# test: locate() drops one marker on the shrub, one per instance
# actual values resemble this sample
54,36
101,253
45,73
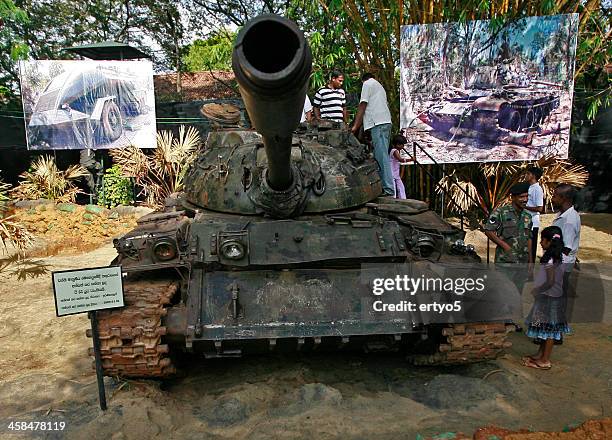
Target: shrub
116,188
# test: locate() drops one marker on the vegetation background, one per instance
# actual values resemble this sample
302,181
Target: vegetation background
350,35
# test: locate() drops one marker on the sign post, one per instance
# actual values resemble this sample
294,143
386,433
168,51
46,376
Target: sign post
89,290
96,345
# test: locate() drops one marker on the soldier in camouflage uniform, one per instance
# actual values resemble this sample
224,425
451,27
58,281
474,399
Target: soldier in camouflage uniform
509,227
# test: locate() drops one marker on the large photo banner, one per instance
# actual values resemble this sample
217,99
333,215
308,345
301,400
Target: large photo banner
88,104
482,91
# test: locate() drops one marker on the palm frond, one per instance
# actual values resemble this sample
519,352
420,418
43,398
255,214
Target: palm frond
132,160
14,234
461,194
490,183
23,268
47,181
160,173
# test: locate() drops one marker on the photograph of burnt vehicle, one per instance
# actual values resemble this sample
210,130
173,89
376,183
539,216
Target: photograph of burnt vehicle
478,91
85,104
512,113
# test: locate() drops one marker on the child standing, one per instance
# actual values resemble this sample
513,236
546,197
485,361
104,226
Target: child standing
546,320
397,144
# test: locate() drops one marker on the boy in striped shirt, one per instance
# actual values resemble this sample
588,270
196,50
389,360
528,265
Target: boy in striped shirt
330,101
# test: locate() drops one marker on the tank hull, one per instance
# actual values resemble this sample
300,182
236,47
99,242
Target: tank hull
300,285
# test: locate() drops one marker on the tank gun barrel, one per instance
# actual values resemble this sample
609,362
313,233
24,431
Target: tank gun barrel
272,63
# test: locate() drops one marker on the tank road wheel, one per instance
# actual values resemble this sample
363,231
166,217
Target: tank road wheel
539,117
511,120
111,121
131,337
468,343
530,118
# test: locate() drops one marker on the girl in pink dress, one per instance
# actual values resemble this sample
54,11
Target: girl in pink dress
397,143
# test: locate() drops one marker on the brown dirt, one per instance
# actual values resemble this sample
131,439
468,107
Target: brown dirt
46,375
68,232
589,430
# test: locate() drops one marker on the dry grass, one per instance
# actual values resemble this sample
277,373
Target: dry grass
488,185
161,173
47,181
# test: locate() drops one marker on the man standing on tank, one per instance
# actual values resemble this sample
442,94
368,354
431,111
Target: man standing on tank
374,114
330,101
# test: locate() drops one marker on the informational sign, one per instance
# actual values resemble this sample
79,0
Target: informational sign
489,91
82,104
85,290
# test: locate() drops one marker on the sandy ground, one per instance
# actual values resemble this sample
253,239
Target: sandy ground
45,375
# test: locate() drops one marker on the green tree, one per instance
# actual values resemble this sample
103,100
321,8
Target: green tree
213,53
41,30
12,48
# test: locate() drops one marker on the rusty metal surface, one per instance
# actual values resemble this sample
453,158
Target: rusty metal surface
468,343
131,337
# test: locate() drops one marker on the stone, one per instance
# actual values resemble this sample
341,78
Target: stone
136,211
88,216
228,411
96,210
66,207
42,203
310,396
113,215
318,392
454,391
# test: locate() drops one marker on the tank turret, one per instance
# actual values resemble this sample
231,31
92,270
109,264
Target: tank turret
272,169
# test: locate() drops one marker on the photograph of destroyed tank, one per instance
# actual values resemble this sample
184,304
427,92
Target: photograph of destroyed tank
482,90
88,104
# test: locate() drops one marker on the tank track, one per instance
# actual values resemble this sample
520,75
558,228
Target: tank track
468,343
131,337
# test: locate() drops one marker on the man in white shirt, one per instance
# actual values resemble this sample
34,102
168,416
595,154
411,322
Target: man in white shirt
374,114
535,205
568,220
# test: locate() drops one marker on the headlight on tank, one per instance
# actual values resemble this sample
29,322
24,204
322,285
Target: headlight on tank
233,250
164,250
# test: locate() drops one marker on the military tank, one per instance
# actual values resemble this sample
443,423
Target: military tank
264,250
511,113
